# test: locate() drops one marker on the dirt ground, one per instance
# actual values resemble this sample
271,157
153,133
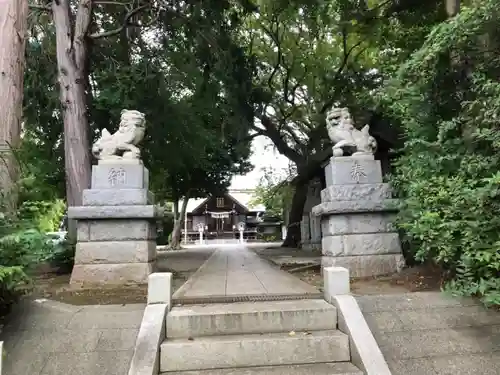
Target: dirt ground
183,263
50,285
305,264
415,279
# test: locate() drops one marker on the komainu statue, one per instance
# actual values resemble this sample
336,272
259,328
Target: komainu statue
123,143
346,139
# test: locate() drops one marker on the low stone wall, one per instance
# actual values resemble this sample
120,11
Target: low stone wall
146,358
365,352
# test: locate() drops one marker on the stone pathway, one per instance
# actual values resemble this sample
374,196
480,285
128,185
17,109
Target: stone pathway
52,338
235,271
428,333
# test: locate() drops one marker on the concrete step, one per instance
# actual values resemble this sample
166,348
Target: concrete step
269,349
339,368
250,317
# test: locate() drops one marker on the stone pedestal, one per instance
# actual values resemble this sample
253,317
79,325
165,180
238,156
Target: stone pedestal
116,237
357,211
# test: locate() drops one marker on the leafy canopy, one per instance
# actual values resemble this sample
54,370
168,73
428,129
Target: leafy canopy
446,97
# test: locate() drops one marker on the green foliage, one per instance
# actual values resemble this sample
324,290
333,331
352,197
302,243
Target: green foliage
446,97
183,71
12,279
202,114
41,151
165,227
23,246
270,237
274,194
61,255
43,215
20,249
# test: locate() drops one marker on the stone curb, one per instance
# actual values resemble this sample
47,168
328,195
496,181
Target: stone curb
146,358
365,352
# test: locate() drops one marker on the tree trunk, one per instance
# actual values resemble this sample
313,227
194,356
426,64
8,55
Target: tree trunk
452,7
175,243
296,212
71,64
13,29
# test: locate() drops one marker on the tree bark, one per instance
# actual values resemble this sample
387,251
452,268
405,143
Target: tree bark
175,243
293,235
452,7
13,30
71,47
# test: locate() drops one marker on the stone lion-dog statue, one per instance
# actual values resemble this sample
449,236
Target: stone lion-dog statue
346,139
123,143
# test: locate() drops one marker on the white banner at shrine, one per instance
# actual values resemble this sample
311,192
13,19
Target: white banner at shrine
219,215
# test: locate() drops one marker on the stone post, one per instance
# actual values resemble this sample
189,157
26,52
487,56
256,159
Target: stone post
357,212
241,228
305,230
335,282
201,228
160,288
116,236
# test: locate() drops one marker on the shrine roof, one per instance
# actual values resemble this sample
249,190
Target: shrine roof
242,196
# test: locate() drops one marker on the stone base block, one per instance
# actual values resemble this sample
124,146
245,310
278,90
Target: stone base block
361,206
116,230
376,222
112,197
363,192
351,170
88,275
361,244
311,246
111,252
115,212
119,176
366,265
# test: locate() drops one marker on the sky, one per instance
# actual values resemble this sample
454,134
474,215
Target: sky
264,155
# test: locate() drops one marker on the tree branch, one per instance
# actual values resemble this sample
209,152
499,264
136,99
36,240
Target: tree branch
42,8
273,133
125,23
345,60
294,136
248,138
110,2
275,38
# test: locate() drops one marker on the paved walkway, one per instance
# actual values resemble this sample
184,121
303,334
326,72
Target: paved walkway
52,338
236,271
428,333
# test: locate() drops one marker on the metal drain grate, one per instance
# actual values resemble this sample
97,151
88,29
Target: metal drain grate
244,298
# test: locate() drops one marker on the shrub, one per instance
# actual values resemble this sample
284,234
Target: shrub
446,99
43,215
62,256
20,250
23,246
270,237
11,281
